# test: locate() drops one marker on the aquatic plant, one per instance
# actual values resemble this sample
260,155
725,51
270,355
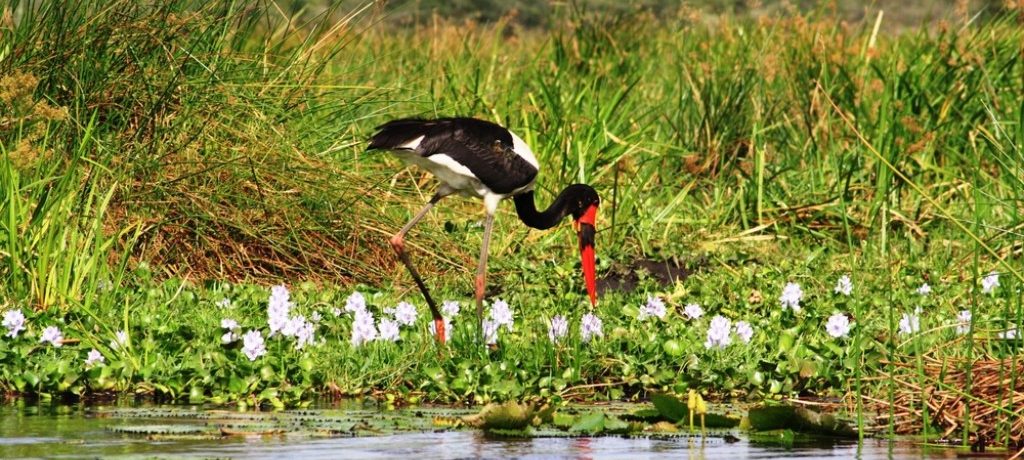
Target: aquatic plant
791,296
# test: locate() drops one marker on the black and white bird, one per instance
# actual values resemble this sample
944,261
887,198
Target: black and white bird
480,159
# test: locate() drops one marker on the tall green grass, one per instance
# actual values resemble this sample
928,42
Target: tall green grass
238,127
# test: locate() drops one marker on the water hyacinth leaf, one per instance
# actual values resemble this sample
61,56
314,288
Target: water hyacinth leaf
786,341
756,378
672,348
237,385
807,368
592,423
436,374
31,379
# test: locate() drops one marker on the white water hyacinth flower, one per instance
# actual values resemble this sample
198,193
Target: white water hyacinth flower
491,331
910,323
94,358
120,340
53,335
590,327
791,296
363,328
405,313
844,286
989,283
224,303
229,336
278,308
719,332
355,302
304,336
654,307
301,329
14,321
388,330
252,345
925,289
744,331
1008,334
838,325
292,325
963,322
558,328
693,311
447,328
501,314
450,309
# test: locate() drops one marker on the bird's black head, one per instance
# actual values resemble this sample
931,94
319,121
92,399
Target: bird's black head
581,198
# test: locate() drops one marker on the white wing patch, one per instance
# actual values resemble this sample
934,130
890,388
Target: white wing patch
411,145
520,148
455,174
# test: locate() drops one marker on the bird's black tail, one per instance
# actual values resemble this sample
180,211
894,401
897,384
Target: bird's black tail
396,133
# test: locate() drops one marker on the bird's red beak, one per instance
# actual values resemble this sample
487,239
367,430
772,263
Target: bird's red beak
587,231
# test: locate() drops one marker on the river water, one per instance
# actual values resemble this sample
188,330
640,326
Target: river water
78,431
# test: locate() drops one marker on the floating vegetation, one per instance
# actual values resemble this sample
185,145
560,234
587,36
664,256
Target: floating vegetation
161,429
313,423
509,416
798,419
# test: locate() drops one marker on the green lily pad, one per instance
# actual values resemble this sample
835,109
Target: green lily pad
161,429
506,416
674,410
670,407
799,419
592,423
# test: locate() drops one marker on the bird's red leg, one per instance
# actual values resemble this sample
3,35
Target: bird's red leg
481,271
398,244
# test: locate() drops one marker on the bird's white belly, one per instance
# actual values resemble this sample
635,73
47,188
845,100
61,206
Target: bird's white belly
448,171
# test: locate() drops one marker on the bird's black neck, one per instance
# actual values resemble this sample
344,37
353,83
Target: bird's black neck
542,220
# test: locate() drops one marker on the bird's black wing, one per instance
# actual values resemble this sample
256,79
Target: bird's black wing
484,148
393,134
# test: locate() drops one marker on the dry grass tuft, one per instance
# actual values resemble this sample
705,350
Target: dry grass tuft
995,400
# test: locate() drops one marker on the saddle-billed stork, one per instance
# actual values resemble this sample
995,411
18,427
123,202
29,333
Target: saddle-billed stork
479,158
